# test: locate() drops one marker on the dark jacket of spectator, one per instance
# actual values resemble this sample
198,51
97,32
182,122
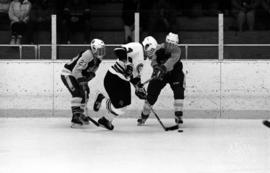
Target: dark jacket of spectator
76,17
4,6
76,8
165,16
42,10
128,10
266,5
4,19
245,5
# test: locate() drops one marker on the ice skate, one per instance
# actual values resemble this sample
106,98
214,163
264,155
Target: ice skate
179,120
105,123
178,117
141,121
98,100
78,120
84,119
75,121
266,123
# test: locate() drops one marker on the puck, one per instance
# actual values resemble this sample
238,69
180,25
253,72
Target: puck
180,131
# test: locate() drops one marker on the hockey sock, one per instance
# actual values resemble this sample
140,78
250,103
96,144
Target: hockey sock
146,109
178,105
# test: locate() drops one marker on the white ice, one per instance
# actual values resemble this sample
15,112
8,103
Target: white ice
49,145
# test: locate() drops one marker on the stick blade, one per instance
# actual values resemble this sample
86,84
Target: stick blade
93,121
266,123
175,127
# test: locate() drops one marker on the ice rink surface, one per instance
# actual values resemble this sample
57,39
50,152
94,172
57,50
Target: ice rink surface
49,145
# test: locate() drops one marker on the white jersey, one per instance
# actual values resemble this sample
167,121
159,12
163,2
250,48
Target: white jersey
135,57
135,52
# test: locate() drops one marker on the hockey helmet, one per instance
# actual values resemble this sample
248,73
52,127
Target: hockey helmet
98,48
171,41
172,38
149,45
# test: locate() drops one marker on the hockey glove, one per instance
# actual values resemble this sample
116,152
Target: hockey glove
140,91
90,76
129,70
83,82
159,72
87,76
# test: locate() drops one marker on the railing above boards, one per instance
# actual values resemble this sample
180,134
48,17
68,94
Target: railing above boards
37,48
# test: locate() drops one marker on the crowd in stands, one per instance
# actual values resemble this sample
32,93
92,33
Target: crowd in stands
24,17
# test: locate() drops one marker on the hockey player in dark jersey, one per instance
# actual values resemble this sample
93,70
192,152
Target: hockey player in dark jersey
77,73
167,69
126,70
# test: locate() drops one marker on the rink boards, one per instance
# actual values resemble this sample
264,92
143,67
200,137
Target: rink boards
214,89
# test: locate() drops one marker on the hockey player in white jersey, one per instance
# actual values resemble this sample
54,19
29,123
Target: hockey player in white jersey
127,69
77,73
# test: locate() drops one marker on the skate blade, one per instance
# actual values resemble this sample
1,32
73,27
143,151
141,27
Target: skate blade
76,126
97,106
140,124
86,123
105,127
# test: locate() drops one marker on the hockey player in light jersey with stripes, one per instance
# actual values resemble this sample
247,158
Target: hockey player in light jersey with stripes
127,69
77,73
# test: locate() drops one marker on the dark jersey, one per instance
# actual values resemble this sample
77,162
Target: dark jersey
82,65
168,58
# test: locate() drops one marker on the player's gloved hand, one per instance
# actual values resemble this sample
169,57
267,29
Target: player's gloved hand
159,72
129,70
140,91
83,82
90,76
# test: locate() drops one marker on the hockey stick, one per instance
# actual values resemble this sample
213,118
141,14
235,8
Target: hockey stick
175,127
86,111
170,128
266,123
147,81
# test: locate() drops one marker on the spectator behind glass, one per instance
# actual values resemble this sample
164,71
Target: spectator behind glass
129,8
41,16
76,17
4,6
245,11
265,14
19,16
146,8
165,18
224,6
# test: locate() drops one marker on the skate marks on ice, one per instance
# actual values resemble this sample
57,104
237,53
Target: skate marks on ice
207,146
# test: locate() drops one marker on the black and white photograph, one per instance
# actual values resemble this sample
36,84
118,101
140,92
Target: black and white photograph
134,86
